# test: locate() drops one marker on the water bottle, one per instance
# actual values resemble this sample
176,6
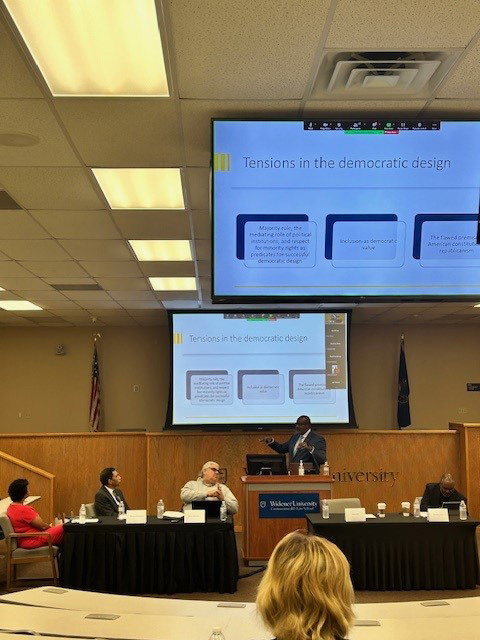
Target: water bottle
325,510
416,508
223,517
121,510
82,515
301,469
217,634
160,509
463,510
326,469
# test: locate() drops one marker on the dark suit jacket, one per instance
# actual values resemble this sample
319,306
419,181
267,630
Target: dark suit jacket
433,498
318,457
105,505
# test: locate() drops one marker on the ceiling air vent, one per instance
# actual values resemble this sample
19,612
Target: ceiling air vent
379,74
77,287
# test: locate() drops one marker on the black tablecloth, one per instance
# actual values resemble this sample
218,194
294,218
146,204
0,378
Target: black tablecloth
158,557
398,553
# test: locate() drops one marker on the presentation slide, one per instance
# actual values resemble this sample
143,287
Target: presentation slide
332,209
259,368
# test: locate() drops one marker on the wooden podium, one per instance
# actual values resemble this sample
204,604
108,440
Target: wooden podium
261,532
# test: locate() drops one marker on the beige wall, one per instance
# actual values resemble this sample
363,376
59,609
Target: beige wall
54,390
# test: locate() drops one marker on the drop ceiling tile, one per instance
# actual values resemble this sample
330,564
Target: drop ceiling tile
203,249
97,249
57,270
77,224
33,250
197,114
50,187
24,284
57,305
257,50
151,322
178,268
35,118
122,296
8,295
204,267
128,321
114,312
19,224
149,313
202,224
123,132
407,24
141,304
148,225
94,305
70,281
17,79
90,296
124,284
14,321
463,79
126,269
43,295
349,108
198,182
72,312
7,203
11,269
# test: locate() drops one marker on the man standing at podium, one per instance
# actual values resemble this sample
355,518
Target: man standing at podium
304,445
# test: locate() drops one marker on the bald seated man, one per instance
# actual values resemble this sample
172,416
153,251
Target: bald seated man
436,493
207,487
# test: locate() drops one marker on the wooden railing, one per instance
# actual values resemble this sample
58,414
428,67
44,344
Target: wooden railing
40,483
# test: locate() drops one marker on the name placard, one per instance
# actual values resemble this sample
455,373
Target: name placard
136,516
438,515
357,514
194,516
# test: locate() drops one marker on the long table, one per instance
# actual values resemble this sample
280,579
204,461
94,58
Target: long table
158,557
398,553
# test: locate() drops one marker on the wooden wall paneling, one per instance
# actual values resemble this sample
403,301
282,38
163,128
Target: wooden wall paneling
174,458
77,459
469,434
41,482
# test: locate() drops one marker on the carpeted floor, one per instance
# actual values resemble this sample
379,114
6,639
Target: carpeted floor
247,586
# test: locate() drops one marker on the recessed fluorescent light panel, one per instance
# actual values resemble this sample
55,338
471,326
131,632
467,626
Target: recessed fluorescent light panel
160,250
19,305
141,188
94,47
173,284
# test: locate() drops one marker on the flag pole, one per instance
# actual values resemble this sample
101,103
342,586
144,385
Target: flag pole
403,398
95,413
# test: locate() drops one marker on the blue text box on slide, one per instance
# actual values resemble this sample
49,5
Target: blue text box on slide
196,372
311,389
368,244
422,218
287,505
243,218
450,244
208,389
263,389
332,218
280,245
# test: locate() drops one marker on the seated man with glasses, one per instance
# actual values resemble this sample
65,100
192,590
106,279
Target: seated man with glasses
436,493
207,487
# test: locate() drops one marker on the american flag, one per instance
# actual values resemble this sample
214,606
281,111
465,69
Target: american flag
95,394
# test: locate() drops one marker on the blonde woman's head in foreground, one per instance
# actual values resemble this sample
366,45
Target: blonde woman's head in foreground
306,592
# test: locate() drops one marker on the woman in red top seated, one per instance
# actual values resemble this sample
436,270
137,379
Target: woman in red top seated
24,519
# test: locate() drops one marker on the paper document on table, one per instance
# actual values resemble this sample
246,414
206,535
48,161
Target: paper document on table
370,516
87,520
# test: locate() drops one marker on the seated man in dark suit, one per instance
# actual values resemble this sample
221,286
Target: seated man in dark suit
109,496
304,445
436,493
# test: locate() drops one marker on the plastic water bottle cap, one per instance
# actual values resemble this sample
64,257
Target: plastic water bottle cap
217,629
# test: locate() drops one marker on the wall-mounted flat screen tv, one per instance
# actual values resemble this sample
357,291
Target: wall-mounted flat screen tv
345,210
259,370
